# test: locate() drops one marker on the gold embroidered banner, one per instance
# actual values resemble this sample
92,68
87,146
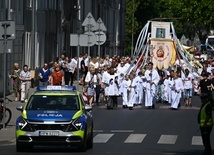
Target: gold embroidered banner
163,53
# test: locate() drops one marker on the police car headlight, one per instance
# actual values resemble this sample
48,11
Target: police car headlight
75,125
78,124
24,126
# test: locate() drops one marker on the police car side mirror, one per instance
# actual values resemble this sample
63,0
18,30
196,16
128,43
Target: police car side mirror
19,108
88,107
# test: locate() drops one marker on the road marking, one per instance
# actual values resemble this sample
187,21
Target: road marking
97,130
181,107
102,138
167,139
135,138
197,140
122,130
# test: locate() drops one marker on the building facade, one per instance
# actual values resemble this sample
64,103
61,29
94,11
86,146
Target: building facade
43,29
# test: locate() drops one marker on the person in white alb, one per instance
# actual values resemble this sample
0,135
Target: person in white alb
177,91
132,93
171,86
139,88
166,87
113,91
25,78
121,73
152,78
105,82
126,90
188,80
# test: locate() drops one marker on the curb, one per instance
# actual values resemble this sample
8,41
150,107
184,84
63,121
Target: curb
7,140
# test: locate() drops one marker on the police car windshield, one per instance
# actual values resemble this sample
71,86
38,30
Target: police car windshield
42,102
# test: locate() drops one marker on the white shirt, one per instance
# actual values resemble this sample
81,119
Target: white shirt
72,65
95,65
121,69
25,75
187,81
80,59
107,62
86,62
105,77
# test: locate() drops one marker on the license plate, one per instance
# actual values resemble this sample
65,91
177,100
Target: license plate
48,133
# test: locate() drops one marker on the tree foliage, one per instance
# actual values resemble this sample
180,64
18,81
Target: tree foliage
132,24
189,17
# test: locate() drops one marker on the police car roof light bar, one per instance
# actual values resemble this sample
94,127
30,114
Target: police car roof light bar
68,88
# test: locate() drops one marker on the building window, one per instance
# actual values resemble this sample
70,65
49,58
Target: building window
29,3
13,5
2,4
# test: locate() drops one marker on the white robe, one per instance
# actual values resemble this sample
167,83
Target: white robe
144,88
166,90
105,81
139,89
126,84
176,93
113,87
151,89
170,89
132,95
120,70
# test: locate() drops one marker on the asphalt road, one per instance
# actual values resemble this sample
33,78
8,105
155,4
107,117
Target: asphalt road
140,131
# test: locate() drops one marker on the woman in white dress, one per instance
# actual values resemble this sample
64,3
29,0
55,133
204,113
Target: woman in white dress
90,80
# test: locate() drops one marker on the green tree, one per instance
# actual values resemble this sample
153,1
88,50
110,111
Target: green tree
192,16
132,24
189,17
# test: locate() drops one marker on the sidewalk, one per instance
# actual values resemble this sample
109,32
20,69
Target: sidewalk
8,134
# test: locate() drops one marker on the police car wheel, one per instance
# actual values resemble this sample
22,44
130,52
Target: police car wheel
90,140
20,147
83,146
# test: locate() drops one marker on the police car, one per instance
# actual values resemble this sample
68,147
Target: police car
54,115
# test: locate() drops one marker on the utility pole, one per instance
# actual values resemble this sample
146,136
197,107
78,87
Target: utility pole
33,34
132,48
78,47
5,26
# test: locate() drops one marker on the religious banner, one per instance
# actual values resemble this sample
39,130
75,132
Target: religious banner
161,30
163,53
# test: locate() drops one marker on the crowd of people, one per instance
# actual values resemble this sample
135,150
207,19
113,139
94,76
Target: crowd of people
113,77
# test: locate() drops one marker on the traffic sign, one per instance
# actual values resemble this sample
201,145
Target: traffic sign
74,40
89,22
88,39
100,25
10,27
101,37
9,46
